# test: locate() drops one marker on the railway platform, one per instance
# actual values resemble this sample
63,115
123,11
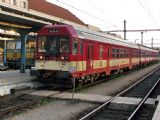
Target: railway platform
156,115
12,79
89,97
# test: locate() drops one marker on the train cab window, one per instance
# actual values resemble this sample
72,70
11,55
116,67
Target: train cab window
53,44
41,43
75,47
101,52
11,45
64,44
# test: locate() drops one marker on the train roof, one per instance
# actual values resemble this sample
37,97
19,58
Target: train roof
146,48
85,33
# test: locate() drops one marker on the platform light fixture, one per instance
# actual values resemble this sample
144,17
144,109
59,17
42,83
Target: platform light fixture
4,38
15,25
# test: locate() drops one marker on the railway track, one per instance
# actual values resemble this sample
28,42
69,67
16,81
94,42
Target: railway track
22,100
12,103
141,89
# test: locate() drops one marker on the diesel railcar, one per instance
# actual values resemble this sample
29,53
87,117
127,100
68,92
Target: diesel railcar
13,53
65,52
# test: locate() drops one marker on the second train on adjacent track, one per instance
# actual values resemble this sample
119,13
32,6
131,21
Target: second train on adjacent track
64,52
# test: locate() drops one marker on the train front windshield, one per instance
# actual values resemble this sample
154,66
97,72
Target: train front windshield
53,44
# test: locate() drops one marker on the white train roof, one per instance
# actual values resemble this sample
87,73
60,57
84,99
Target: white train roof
146,48
85,33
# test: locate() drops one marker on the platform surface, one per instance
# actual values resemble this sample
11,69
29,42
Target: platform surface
12,79
156,115
90,97
14,76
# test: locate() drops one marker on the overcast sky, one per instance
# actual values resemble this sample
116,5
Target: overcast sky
110,14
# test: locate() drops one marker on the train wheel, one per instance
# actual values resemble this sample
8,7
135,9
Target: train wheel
92,79
80,83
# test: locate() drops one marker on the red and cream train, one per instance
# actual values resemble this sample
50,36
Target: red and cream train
65,52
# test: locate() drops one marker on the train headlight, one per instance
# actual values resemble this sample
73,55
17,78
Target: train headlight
62,58
41,57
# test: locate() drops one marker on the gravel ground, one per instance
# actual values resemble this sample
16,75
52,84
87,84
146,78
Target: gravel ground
56,110
64,110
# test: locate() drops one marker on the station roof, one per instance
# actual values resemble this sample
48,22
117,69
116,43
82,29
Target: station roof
51,9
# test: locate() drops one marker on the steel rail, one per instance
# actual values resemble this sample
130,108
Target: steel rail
15,107
89,115
143,100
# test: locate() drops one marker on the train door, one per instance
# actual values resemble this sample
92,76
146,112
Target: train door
89,53
129,54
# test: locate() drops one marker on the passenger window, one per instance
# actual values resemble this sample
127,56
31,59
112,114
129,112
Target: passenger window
81,48
113,53
108,52
101,52
125,54
75,47
117,53
90,52
121,53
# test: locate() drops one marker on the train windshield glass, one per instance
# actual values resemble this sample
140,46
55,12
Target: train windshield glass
53,44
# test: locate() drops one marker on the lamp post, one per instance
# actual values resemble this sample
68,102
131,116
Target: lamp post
141,38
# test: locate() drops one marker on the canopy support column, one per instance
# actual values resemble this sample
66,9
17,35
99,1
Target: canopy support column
23,51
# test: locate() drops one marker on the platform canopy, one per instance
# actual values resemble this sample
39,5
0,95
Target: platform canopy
25,16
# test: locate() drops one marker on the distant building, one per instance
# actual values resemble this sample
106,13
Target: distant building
116,35
19,3
93,27
52,9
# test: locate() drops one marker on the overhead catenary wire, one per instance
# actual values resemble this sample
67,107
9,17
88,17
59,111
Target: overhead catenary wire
110,25
147,10
84,12
104,11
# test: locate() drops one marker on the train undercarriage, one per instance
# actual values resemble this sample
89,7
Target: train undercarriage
65,79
